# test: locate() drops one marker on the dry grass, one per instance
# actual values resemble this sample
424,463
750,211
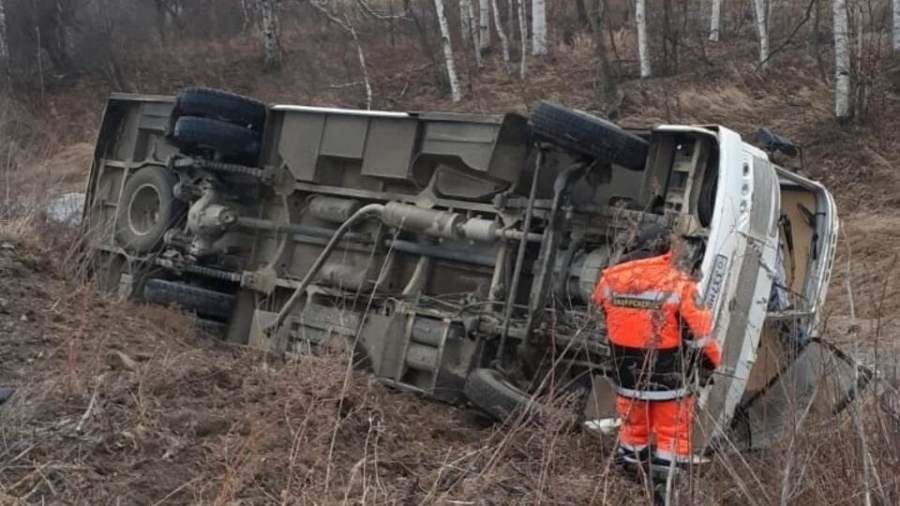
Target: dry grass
187,419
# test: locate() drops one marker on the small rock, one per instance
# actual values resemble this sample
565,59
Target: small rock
24,318
7,246
119,360
6,393
3,302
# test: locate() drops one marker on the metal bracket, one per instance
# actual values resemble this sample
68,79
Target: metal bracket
263,280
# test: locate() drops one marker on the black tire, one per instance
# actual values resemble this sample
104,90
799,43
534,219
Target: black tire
234,143
490,391
222,106
204,302
147,209
588,135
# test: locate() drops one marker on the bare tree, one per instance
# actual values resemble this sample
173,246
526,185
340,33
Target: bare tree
246,15
523,33
269,25
4,43
484,24
345,25
841,61
895,27
583,18
501,34
538,27
467,12
762,28
609,86
715,20
465,21
448,51
640,19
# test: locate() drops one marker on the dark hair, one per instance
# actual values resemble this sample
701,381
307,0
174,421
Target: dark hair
652,240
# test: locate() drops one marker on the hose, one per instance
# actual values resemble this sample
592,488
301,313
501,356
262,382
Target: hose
363,212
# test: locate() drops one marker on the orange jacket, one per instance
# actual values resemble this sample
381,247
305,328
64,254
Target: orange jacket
646,302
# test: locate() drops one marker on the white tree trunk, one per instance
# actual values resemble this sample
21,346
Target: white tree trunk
841,61
538,27
448,51
523,31
715,20
362,66
895,7
762,29
501,34
484,25
476,44
269,21
640,19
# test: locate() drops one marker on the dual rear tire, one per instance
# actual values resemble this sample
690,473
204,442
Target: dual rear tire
218,124
214,123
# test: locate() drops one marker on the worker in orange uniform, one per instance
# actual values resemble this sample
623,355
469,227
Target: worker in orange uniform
648,304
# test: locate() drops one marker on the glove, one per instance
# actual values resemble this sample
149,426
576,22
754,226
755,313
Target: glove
705,375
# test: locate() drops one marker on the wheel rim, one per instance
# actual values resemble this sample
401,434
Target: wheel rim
144,210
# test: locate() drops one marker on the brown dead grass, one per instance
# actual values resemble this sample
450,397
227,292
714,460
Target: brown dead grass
132,402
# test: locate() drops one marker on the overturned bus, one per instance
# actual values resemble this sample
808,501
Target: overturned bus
455,255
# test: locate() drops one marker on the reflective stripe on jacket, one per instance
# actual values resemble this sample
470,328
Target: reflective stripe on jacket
646,304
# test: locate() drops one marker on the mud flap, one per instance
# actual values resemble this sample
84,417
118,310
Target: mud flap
820,382
602,401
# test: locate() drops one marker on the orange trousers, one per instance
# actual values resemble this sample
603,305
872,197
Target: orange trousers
669,422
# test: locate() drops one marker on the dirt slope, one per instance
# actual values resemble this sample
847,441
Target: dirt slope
126,404
121,401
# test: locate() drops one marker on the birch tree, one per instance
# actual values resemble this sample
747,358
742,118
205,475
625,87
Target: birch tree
640,19
523,32
484,24
345,25
895,27
841,61
448,51
538,27
762,29
715,20
269,24
501,34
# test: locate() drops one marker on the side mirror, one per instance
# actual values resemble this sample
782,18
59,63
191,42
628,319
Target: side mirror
770,141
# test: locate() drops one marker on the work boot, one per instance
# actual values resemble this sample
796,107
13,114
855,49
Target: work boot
634,465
